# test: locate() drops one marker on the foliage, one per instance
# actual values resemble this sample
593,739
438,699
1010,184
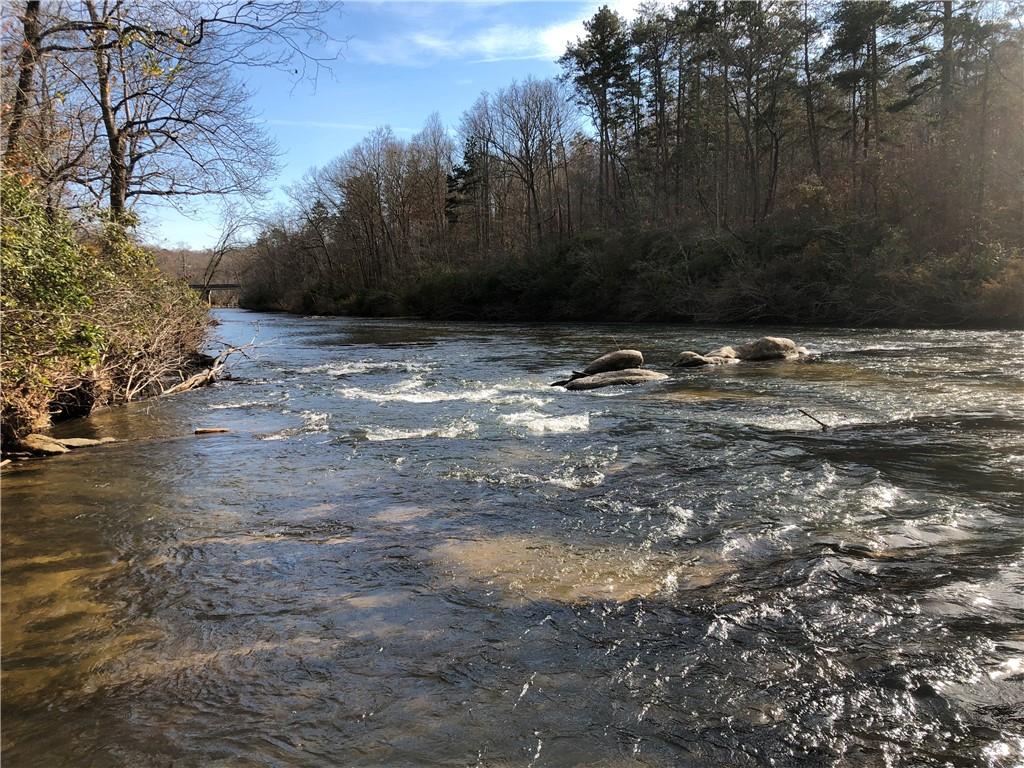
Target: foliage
853,162
87,321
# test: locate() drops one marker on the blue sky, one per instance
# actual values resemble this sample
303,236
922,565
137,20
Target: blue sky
399,62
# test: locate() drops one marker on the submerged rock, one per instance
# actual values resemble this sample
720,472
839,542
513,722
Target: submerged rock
82,442
41,445
613,378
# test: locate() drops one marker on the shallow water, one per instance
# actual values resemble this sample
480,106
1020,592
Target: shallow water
411,551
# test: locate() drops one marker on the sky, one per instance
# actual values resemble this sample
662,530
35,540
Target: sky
398,63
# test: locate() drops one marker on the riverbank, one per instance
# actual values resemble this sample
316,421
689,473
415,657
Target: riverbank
832,276
88,320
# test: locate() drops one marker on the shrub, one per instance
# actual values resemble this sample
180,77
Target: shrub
87,321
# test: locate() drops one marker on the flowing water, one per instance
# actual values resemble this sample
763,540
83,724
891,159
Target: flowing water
411,551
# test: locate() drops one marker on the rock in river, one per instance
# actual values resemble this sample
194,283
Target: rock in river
692,359
82,442
41,445
616,361
619,360
767,348
612,378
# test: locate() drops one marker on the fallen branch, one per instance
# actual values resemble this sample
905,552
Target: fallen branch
208,375
821,423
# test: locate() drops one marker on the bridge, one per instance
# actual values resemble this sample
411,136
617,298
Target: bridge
206,290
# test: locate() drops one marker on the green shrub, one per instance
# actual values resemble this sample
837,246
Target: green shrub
86,321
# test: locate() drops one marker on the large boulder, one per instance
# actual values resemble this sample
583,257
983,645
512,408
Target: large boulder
613,378
616,361
767,348
619,360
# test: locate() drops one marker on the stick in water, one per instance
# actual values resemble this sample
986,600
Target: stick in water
823,425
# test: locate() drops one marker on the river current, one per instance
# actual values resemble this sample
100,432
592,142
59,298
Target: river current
409,550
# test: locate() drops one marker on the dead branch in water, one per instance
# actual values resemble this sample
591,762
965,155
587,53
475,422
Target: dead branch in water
822,424
210,374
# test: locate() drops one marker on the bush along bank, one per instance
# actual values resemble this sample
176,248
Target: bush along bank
88,320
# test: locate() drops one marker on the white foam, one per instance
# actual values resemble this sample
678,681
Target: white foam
415,390
243,404
313,422
575,482
540,423
681,519
459,428
350,367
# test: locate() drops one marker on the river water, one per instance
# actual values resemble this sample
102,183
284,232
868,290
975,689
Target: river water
411,551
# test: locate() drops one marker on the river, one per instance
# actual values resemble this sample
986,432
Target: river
409,550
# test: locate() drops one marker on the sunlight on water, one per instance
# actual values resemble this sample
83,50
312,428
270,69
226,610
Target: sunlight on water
542,568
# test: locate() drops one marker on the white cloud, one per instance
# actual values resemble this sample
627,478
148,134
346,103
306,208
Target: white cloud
496,42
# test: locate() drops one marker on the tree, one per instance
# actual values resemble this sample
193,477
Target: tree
157,81
599,66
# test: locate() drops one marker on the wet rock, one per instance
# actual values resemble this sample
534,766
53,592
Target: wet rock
767,348
613,378
619,360
726,352
41,445
689,360
693,360
82,442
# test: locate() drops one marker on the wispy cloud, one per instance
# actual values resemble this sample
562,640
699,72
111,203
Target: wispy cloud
438,39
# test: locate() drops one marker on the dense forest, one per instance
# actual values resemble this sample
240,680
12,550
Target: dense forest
851,162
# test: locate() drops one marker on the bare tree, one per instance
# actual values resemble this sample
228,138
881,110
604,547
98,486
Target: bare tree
173,120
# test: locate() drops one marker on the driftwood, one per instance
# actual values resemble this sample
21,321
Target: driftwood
208,375
211,430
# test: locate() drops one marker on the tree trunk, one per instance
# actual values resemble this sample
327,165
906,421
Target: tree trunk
26,70
812,128
946,85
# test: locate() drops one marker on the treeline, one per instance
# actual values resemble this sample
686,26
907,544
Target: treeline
855,162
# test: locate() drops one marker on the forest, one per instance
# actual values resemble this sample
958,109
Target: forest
850,162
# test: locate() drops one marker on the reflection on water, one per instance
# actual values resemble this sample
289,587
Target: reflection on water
410,550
